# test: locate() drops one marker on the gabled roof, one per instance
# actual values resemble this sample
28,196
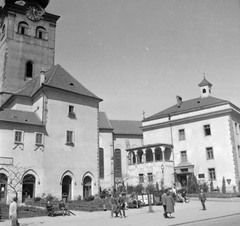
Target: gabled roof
58,78
26,117
103,121
189,105
126,127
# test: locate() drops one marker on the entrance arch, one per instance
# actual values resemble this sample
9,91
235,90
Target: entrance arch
3,188
28,187
87,187
67,187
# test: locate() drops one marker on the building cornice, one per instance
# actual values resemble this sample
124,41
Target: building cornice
189,119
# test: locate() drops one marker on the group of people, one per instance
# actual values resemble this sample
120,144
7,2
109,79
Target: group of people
168,201
118,205
62,207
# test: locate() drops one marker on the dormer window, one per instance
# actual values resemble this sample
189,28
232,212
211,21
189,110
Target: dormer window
41,33
29,70
23,28
71,111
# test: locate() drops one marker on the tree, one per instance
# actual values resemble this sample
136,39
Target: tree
223,185
14,179
192,184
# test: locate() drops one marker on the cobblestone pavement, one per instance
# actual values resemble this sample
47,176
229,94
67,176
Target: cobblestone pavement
184,213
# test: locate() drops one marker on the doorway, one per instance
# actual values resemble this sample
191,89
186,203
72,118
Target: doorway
67,188
28,187
3,188
87,187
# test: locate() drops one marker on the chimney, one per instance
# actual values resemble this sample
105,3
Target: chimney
42,77
179,101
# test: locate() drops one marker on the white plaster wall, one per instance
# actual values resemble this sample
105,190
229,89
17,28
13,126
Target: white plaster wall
106,140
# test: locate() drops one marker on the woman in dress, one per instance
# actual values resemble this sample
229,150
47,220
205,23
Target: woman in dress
169,205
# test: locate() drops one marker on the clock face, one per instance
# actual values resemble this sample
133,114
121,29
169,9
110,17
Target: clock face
34,12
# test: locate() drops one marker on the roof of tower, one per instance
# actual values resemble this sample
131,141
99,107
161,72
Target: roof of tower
204,82
58,78
43,3
189,105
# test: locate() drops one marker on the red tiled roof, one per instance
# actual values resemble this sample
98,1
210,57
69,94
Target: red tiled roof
17,116
189,105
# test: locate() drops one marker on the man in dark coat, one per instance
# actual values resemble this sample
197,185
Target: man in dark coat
202,197
163,200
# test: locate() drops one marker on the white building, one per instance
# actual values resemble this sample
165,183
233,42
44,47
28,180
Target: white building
205,134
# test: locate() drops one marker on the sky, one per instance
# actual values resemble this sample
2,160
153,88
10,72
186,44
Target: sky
138,55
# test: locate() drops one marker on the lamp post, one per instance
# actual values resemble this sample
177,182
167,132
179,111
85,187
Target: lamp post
162,183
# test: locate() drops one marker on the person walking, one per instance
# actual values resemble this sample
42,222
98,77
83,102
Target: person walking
122,202
113,203
13,212
163,200
169,205
202,197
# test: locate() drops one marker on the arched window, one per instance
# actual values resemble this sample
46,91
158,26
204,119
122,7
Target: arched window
117,163
101,163
149,155
23,28
132,157
29,70
204,91
41,33
140,156
158,154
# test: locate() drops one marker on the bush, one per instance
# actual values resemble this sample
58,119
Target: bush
139,189
89,198
211,186
223,185
37,199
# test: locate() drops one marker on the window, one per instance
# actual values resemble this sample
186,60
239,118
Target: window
29,70
23,28
71,111
101,163
39,139
209,153
238,151
207,130
184,156
18,137
212,174
181,134
201,175
117,163
150,177
141,178
41,33
236,128
69,138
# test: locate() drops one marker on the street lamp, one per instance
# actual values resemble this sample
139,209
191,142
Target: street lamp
162,167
